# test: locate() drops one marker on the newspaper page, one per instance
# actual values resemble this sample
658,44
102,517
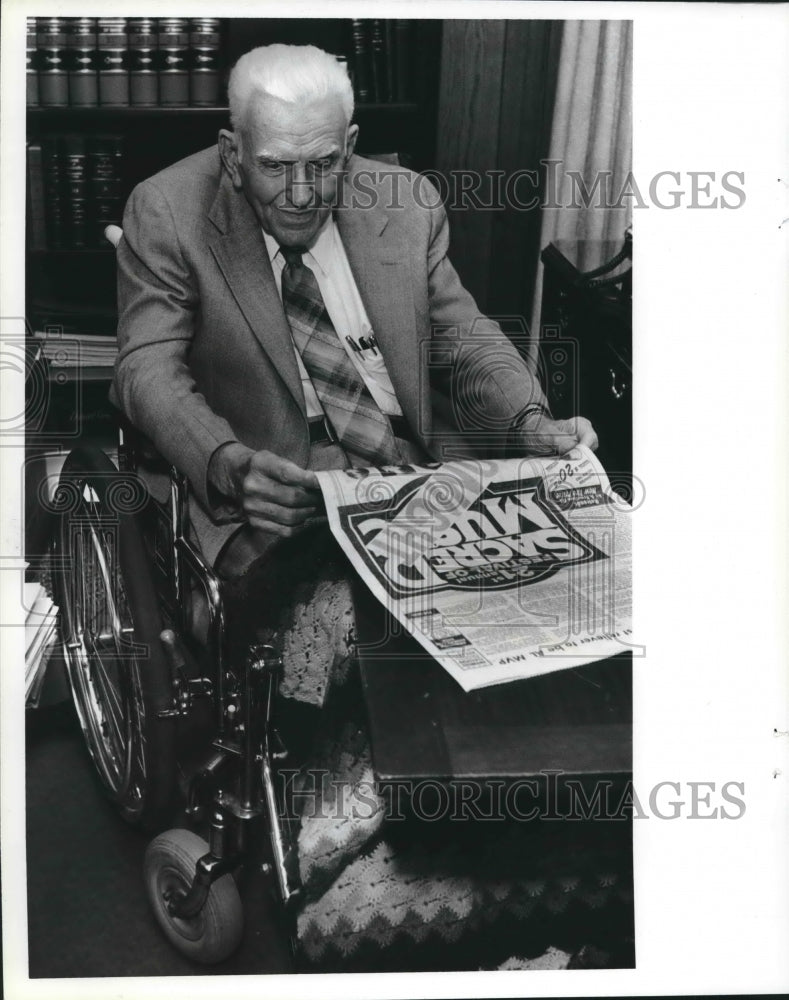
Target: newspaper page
501,569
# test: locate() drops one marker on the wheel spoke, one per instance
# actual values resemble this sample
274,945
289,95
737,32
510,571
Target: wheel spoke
103,608
92,716
139,709
109,606
79,584
113,713
91,587
102,626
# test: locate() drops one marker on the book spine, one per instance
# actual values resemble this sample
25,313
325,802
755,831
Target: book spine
143,63
361,61
173,62
75,191
36,218
31,73
389,59
113,63
377,57
105,161
204,45
53,200
52,75
403,59
83,62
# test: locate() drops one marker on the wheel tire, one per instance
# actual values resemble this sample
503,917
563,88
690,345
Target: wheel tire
215,932
110,625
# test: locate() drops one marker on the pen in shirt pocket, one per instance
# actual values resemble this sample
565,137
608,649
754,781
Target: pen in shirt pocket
369,343
364,345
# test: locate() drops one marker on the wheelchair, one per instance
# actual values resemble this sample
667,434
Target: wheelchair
143,685
176,713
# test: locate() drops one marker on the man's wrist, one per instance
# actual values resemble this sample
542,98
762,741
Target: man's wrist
530,417
534,408
527,423
227,468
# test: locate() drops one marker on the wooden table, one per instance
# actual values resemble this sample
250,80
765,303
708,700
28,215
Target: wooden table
423,725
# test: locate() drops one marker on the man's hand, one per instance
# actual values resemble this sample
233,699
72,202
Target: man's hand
276,495
542,435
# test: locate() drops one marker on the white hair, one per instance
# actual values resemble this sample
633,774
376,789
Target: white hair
292,73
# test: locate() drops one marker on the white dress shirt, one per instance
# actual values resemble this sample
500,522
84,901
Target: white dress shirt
328,262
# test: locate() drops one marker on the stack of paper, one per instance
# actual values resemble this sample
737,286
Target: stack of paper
78,350
40,639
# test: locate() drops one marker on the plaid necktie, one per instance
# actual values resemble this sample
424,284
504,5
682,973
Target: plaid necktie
361,428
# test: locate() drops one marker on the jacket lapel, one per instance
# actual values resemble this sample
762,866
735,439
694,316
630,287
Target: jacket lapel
381,268
240,252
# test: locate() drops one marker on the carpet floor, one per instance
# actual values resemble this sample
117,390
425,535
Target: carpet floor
87,910
88,915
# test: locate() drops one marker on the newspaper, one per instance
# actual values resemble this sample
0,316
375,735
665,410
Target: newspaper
500,569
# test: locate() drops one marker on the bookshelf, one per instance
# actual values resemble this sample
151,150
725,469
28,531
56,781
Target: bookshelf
75,103
393,64
395,109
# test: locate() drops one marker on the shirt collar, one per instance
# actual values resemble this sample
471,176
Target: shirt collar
321,252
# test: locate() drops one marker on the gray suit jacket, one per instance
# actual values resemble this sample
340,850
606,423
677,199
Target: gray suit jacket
205,352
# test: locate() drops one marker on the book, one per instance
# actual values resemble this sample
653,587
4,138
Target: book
173,62
361,61
54,209
204,61
105,184
75,191
51,42
83,62
389,46
378,61
402,59
31,65
143,62
113,62
36,213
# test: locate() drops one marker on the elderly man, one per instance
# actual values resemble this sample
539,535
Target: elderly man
287,306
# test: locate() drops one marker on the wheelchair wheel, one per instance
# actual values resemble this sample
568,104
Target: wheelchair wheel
215,932
110,625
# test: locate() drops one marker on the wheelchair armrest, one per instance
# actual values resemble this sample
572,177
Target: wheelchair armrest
186,563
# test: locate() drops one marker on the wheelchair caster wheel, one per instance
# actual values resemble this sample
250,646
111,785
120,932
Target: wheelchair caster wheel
215,932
